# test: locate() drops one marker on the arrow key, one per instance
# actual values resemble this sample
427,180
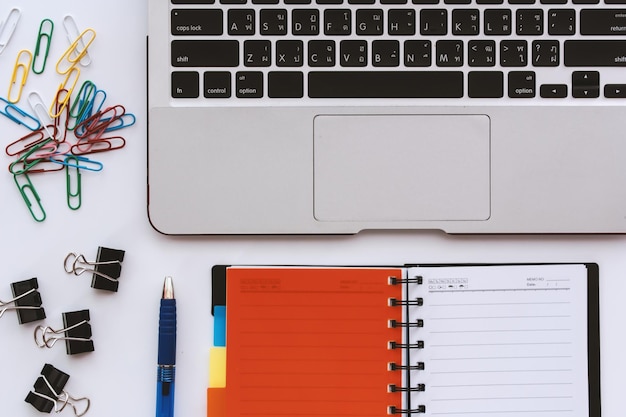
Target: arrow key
553,90
615,91
586,84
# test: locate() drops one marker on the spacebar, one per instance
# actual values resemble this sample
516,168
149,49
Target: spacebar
386,84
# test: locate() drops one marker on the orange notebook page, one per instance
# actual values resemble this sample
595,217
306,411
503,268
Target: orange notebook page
311,342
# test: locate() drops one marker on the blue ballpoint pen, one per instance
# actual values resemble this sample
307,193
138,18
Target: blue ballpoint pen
166,367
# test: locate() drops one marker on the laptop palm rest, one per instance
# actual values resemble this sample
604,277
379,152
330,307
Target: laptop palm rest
401,167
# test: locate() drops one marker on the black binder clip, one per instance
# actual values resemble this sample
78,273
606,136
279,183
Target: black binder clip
49,393
105,270
76,334
26,301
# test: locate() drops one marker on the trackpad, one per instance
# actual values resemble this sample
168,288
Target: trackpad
401,167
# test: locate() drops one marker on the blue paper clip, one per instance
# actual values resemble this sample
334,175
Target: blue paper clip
73,184
45,34
32,200
19,116
80,162
127,119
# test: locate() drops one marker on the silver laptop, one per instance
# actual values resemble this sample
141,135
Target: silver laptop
336,116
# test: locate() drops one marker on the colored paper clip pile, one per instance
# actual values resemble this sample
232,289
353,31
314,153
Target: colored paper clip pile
73,126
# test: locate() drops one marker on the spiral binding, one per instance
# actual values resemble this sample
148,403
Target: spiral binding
419,366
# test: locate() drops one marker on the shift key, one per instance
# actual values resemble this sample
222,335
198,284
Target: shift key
205,53
596,53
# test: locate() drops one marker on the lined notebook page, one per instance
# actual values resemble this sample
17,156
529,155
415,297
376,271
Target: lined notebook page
502,341
311,342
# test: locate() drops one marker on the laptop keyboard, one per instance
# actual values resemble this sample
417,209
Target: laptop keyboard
379,49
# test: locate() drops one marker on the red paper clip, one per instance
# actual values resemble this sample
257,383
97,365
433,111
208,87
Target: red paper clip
24,143
99,145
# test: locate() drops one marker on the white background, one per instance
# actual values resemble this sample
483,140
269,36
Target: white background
119,376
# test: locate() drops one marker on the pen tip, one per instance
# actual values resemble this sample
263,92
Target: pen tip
168,288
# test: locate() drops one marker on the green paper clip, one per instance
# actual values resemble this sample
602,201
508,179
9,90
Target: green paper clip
33,202
73,182
45,34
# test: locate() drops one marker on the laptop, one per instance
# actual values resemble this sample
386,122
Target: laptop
337,116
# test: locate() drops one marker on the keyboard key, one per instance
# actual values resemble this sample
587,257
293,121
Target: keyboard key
321,53
586,84
217,84
562,22
205,53
337,22
545,53
197,22
353,53
596,53
401,22
481,53
289,53
386,84
297,1
385,53
603,22
615,91
521,84
369,22
418,53
241,22
513,53
615,1
285,84
193,1
485,84
497,22
305,22
433,21
185,84
553,90
257,53
249,84
529,22
449,53
273,22
465,21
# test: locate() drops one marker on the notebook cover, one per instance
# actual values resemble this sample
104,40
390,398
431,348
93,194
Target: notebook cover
314,339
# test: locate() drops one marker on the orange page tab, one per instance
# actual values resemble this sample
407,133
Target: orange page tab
311,341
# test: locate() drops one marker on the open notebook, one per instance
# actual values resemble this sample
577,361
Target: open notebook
495,340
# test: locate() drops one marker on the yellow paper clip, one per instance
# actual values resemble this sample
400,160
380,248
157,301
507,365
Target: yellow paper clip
76,51
59,104
20,75
72,32
7,29
42,48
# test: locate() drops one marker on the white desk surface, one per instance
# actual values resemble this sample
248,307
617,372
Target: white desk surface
119,377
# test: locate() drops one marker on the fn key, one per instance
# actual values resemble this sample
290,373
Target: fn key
185,84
